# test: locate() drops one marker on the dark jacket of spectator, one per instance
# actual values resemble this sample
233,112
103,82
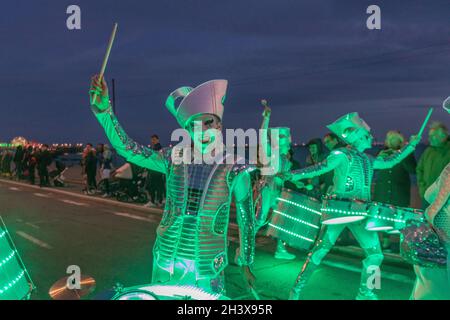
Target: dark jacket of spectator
18,156
393,186
90,161
44,159
431,164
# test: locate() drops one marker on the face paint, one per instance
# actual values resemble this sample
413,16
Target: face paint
362,139
203,130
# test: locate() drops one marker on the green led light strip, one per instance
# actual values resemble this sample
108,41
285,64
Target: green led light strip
290,233
355,213
300,206
9,257
2,234
12,283
388,219
295,219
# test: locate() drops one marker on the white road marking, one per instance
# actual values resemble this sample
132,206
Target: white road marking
41,195
135,217
32,225
85,197
14,189
74,202
34,240
384,275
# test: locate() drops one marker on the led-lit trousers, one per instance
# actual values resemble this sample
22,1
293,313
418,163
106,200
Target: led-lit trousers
184,274
269,192
368,241
269,199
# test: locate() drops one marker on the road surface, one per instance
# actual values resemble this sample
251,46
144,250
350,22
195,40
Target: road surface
113,244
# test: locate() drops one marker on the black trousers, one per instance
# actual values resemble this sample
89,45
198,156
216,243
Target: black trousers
32,173
91,178
44,180
19,169
156,187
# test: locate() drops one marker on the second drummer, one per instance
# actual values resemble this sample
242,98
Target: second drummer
353,171
271,184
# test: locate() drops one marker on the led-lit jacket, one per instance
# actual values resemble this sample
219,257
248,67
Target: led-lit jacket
353,171
195,220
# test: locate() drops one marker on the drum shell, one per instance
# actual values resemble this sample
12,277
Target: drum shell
14,279
296,220
340,211
382,217
404,214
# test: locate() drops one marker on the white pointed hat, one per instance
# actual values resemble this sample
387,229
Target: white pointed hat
207,98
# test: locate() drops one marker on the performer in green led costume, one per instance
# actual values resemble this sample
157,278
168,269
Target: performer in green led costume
191,243
272,184
353,171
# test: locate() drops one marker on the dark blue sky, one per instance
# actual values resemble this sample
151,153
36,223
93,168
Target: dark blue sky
313,60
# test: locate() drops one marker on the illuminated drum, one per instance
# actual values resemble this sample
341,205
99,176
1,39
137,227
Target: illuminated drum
403,215
296,220
165,292
339,211
382,217
15,283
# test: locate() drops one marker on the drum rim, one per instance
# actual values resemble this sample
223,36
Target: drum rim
350,219
381,228
118,295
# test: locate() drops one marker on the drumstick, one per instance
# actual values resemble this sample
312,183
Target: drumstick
106,58
425,122
108,51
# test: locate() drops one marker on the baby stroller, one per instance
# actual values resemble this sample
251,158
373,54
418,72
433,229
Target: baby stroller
57,175
127,184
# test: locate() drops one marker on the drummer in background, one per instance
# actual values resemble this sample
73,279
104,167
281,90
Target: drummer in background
316,155
272,185
434,283
353,171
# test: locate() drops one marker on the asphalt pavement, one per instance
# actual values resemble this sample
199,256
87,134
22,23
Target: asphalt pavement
112,242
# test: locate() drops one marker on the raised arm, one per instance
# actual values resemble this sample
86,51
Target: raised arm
263,138
381,163
124,145
438,194
334,159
